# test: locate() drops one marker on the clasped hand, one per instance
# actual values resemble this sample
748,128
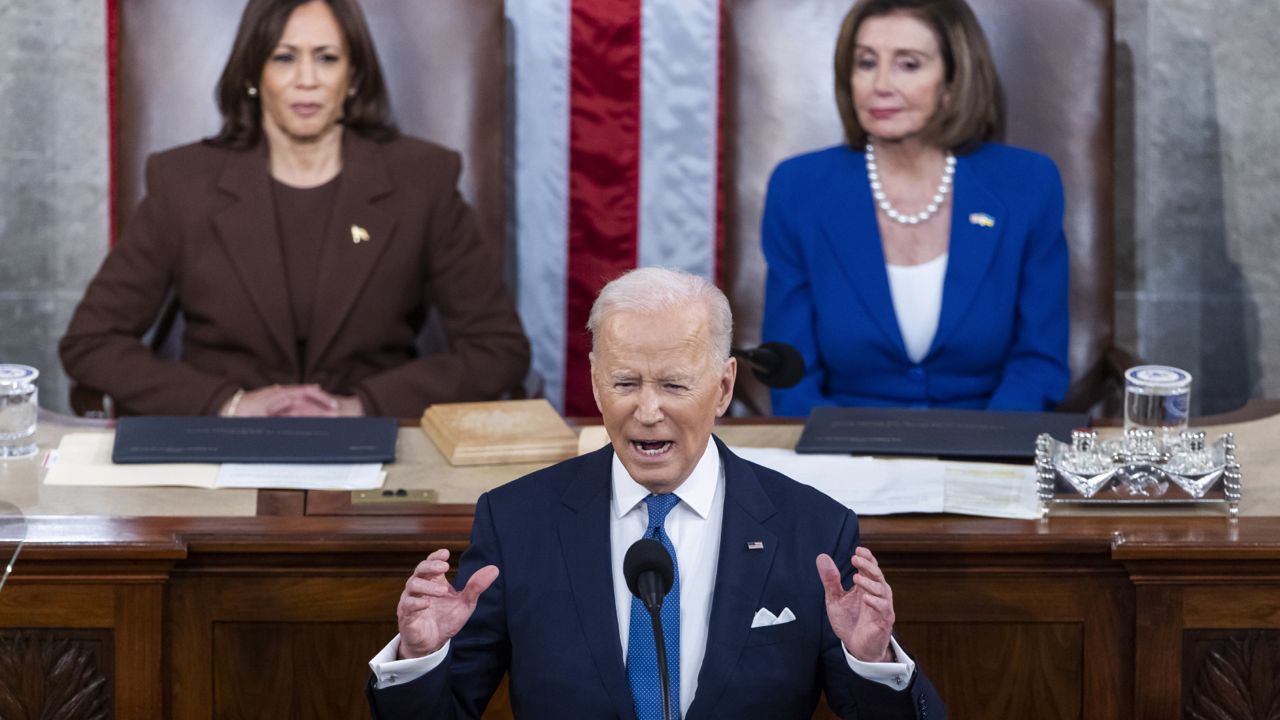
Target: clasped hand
431,611
862,617
295,401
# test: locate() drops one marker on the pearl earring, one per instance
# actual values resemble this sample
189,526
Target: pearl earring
251,91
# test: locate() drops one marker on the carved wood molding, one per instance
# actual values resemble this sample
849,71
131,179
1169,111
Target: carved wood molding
55,674
1234,676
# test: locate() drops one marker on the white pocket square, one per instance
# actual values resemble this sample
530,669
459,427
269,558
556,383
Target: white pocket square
764,618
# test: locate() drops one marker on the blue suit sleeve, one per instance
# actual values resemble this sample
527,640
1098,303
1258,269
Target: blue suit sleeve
854,697
790,315
1036,374
480,654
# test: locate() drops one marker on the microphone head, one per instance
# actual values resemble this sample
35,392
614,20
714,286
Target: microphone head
647,555
787,368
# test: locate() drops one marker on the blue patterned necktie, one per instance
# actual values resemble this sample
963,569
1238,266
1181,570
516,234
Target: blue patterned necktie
642,657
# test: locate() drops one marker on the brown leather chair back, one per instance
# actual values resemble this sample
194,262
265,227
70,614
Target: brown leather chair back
444,62
1055,64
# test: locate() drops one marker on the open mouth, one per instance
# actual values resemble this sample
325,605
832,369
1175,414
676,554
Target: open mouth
651,448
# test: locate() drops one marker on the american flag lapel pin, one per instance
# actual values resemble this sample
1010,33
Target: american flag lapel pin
755,545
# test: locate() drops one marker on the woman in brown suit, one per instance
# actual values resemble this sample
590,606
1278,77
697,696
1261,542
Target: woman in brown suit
304,245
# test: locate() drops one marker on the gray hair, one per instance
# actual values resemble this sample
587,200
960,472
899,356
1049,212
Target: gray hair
654,289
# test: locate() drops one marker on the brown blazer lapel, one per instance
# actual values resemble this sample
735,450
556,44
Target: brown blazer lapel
247,229
357,236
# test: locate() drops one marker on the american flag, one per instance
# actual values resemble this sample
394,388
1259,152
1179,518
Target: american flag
617,161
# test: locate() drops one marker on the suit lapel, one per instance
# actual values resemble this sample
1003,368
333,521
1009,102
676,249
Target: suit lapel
851,231
345,264
740,579
247,229
584,540
972,246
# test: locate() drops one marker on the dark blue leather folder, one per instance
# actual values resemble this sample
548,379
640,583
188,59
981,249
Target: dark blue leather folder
965,434
254,440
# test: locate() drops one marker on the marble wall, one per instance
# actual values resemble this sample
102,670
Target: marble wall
53,175
1198,185
1198,192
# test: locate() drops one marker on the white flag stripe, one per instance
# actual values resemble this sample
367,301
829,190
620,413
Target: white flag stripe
540,73
678,129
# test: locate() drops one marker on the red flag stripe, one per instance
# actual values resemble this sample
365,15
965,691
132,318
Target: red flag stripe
604,154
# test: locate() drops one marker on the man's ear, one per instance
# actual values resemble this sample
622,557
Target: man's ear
727,379
595,388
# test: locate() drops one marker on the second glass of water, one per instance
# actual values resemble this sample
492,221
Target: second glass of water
1158,398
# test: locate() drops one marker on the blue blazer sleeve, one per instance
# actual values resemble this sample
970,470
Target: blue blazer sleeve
478,657
1036,374
790,314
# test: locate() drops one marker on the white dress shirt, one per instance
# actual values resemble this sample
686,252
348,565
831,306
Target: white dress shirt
694,528
916,291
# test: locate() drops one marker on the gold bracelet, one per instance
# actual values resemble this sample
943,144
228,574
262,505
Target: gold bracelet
233,404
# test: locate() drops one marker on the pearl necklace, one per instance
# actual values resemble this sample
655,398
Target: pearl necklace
939,195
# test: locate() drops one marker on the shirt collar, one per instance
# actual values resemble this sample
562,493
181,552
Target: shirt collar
697,491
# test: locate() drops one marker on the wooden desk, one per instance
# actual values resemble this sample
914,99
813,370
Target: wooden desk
1081,616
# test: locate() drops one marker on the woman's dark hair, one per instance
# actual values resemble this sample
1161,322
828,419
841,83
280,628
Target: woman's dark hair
975,106
367,111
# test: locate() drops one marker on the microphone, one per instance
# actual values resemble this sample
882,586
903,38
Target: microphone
650,574
775,364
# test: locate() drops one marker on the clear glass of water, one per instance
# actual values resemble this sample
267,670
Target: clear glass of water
19,402
1157,398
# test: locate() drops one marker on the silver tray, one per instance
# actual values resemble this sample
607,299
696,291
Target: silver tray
1138,471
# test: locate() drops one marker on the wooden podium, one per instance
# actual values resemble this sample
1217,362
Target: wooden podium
1098,616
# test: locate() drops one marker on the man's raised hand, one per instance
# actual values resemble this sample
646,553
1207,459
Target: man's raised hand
431,611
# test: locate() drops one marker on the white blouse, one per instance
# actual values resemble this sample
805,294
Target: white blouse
917,302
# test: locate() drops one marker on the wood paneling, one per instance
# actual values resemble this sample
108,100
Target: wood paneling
123,610
238,638
65,674
1097,618
1011,670
1232,675
294,669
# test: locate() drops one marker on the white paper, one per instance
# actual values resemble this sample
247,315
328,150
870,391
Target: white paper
884,486
84,458
867,485
992,490
362,476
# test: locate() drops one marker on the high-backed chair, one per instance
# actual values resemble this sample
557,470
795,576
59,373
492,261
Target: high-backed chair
1055,59
444,62
444,65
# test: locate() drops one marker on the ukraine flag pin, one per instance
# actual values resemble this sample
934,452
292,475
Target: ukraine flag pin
982,220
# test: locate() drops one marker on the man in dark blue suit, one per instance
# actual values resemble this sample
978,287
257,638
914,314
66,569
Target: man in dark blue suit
752,629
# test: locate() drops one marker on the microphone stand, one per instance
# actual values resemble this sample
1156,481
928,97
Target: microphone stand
661,644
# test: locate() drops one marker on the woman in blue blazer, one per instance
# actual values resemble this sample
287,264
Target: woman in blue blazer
919,265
